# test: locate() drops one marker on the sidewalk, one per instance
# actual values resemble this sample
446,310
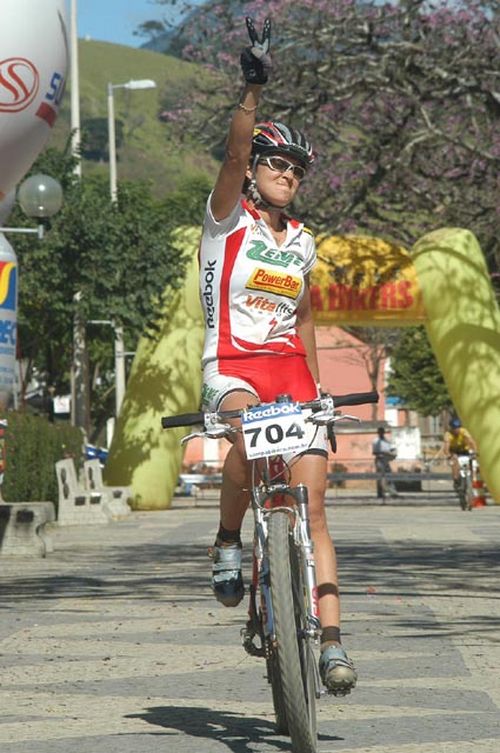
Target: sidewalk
114,644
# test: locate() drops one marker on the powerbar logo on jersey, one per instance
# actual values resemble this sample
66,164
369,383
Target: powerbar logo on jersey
260,252
208,292
274,282
264,304
271,411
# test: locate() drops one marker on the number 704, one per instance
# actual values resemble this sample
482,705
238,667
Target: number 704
274,433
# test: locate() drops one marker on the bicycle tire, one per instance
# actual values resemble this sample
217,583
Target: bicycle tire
295,682
469,494
462,493
306,653
274,678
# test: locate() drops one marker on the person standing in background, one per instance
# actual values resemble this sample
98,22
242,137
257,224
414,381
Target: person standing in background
383,452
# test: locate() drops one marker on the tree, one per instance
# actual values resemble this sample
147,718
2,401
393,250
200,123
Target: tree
415,376
118,256
96,136
376,344
400,99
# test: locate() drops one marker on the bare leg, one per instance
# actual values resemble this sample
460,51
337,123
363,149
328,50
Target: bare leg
235,494
311,471
336,669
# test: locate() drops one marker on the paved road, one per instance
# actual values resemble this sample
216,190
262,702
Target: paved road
113,644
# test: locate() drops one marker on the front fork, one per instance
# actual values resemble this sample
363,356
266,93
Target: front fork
262,624
302,535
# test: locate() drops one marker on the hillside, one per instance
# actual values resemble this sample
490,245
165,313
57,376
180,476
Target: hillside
151,149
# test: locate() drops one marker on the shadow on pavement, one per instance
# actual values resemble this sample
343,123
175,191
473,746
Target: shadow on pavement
154,572
239,733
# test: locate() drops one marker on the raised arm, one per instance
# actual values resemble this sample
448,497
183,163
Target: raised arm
256,65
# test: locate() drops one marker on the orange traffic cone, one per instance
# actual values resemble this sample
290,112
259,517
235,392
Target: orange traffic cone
478,489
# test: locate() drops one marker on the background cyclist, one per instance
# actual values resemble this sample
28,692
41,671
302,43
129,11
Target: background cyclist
254,279
457,441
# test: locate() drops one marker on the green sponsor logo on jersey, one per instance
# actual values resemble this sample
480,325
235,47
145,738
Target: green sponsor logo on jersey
260,252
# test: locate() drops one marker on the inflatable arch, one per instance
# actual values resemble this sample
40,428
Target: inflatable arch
443,282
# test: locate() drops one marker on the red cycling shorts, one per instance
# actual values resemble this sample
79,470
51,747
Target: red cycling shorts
265,376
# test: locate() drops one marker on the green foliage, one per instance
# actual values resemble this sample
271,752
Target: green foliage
152,149
95,138
400,101
33,445
415,376
186,205
119,257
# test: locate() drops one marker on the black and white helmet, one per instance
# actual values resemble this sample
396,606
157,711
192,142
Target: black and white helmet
272,137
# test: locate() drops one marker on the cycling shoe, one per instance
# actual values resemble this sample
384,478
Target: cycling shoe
227,582
337,670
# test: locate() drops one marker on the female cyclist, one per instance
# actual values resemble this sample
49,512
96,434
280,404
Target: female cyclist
254,264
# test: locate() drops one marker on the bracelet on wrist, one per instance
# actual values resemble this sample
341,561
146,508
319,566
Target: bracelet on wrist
246,109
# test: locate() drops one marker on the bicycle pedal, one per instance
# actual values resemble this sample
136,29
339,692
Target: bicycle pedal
340,692
247,637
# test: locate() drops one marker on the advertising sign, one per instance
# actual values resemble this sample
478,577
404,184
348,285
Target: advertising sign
34,55
365,281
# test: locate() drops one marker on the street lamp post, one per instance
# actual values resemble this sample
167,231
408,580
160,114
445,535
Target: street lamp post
131,85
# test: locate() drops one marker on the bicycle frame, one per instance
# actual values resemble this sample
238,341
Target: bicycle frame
267,497
466,465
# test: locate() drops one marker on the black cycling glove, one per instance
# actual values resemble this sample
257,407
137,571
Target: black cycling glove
255,60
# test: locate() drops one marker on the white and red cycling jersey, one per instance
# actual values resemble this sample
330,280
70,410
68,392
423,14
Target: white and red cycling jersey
250,292
250,289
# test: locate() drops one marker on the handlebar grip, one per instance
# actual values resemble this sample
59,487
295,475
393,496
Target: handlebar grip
355,398
186,419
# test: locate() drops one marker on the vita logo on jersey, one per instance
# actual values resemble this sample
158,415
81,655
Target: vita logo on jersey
259,251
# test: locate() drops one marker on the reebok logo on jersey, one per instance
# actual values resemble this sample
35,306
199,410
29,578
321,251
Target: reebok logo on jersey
260,252
274,282
208,292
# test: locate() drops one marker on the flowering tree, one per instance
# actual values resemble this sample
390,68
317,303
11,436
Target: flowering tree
402,102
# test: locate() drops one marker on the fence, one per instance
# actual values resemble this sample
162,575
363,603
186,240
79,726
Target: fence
350,475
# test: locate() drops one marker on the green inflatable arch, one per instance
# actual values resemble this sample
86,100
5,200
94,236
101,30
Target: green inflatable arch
165,379
463,323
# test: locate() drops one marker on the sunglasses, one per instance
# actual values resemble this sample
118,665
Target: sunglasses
280,165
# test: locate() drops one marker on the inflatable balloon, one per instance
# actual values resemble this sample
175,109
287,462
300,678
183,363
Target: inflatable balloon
165,379
463,323
7,205
34,53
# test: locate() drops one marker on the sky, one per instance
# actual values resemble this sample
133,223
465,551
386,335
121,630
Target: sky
116,20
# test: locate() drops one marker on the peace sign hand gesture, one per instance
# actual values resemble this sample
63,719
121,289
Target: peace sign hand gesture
255,60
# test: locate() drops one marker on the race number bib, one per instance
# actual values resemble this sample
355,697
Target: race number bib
274,429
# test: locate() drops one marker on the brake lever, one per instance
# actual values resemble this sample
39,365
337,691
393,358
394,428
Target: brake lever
324,418
214,431
347,417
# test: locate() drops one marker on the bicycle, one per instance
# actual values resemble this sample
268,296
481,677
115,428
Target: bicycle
463,486
283,615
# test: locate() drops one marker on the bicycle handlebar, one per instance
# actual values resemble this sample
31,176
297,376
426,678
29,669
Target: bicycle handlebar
195,419
342,401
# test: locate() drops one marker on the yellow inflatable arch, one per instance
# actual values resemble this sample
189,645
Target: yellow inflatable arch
442,282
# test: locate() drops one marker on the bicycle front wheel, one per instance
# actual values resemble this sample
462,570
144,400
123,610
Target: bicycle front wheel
469,493
462,493
295,660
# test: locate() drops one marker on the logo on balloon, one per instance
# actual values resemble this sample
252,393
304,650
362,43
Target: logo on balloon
8,284
19,82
